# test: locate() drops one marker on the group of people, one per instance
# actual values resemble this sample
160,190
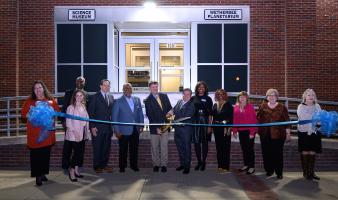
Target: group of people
195,108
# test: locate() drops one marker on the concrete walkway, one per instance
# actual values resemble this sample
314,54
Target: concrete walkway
17,184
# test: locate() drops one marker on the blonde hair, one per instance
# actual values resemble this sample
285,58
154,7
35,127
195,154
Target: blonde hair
242,93
272,91
306,92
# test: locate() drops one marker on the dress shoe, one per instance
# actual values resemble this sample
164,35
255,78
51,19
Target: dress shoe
163,169
108,169
269,173
44,178
71,179
245,168
251,171
222,170
135,169
179,168
279,176
122,170
156,168
38,181
186,170
98,170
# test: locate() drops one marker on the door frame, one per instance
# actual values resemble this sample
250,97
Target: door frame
154,43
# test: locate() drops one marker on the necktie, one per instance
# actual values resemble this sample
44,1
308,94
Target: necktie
106,99
159,101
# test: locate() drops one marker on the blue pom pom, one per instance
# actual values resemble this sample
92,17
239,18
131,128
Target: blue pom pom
42,115
327,120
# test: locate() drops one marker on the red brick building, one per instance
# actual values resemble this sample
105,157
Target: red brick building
291,45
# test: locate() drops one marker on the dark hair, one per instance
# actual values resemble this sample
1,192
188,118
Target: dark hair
73,99
45,90
152,83
104,80
221,91
187,89
199,83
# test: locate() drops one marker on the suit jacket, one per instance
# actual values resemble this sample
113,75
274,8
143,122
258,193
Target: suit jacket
122,113
154,112
187,110
98,109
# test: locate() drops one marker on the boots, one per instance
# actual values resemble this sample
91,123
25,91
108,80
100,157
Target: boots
311,165
303,162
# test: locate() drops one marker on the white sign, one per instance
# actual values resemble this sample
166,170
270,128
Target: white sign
81,14
222,14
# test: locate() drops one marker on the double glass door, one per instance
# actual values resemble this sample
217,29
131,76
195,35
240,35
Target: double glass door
162,60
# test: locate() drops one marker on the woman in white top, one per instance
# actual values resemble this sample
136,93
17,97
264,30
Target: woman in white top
77,131
309,139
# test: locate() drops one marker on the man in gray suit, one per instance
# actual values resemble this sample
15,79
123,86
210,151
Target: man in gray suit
184,108
128,109
100,106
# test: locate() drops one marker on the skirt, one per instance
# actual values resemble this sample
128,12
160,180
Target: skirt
311,142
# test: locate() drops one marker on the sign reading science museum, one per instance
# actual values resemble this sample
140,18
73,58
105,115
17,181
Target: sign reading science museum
222,14
81,14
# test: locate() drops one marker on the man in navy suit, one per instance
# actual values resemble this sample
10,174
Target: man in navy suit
157,106
184,108
128,109
100,106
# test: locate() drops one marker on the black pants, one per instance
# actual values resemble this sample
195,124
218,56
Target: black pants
77,153
247,146
40,161
101,149
201,150
223,145
272,151
67,153
131,141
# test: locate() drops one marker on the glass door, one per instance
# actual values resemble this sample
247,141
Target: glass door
136,63
172,70
163,60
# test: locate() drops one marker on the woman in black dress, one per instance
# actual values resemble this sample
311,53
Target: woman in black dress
202,134
222,113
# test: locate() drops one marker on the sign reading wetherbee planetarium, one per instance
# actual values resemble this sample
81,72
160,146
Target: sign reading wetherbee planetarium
81,14
222,14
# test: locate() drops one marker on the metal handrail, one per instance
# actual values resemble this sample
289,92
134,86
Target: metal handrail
9,112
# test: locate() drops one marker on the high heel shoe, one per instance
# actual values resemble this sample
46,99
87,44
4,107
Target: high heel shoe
38,181
70,178
44,178
78,175
250,171
203,166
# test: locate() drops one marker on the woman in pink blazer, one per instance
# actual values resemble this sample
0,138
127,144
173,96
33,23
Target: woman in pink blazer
77,131
244,113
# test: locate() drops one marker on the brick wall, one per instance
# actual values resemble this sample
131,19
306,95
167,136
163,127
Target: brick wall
293,44
12,156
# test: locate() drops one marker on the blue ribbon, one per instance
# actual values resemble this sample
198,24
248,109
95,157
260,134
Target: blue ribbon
59,114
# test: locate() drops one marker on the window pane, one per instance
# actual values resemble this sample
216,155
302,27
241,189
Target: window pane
212,75
95,43
235,78
93,75
235,43
66,76
69,43
209,43
171,80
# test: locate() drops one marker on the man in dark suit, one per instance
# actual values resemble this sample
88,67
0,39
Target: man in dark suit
100,106
157,106
128,109
66,152
184,108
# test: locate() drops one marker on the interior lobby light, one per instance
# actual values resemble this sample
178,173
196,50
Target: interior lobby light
149,4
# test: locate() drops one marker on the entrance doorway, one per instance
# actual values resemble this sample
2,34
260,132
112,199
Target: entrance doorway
165,60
